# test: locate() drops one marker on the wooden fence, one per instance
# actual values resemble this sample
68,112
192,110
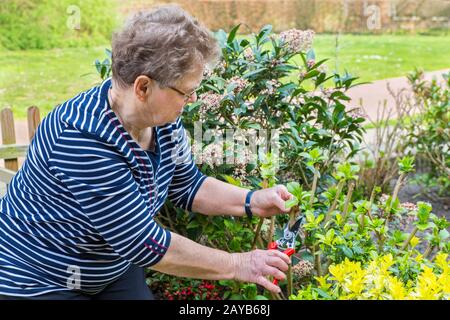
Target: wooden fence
9,150
374,16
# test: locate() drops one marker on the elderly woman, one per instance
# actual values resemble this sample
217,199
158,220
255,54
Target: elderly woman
77,221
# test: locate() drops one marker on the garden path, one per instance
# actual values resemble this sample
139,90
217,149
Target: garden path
374,94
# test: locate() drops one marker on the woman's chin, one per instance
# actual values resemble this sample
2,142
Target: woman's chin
179,113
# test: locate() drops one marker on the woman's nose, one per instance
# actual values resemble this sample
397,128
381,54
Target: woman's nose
192,98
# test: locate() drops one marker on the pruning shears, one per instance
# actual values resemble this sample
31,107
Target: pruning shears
286,243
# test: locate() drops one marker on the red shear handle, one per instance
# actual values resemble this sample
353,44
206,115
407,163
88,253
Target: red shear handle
272,246
289,252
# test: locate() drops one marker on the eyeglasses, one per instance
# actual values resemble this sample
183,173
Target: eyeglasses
187,96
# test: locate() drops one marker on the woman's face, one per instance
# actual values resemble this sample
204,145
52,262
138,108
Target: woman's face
165,105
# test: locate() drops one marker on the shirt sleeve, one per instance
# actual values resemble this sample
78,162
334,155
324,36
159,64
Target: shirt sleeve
187,178
103,186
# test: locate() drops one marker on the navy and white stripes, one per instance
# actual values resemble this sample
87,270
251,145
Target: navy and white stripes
85,199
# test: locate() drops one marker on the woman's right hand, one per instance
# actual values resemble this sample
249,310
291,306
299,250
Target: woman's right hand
256,265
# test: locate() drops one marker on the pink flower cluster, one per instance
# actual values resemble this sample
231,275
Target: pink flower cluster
302,269
272,86
297,40
207,72
357,113
384,197
213,154
248,54
311,63
210,100
220,67
409,206
239,84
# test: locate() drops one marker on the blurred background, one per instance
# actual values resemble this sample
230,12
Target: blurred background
48,47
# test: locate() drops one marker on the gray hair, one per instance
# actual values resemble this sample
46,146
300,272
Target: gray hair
165,44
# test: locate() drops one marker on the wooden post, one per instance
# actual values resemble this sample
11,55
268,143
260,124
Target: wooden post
8,136
33,120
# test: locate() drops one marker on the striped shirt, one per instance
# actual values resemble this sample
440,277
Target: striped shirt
81,209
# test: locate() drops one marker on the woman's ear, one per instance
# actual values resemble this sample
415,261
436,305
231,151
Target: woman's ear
143,87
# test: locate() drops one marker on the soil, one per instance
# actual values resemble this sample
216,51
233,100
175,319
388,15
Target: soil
413,192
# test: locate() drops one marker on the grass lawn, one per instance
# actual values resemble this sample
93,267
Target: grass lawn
47,78
375,57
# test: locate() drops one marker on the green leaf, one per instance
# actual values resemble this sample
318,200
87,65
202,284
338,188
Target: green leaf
231,180
311,74
347,251
221,37
263,33
228,224
232,34
212,88
311,55
253,126
251,291
235,244
193,224
322,293
244,43
255,72
295,188
291,202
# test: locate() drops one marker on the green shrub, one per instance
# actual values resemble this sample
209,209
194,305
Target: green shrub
44,24
429,131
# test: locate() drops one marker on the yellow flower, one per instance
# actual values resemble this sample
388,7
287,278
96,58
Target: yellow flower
444,280
386,262
419,258
323,282
350,280
441,261
428,287
414,241
338,272
356,286
396,289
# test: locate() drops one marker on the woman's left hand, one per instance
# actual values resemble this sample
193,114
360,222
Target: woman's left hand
271,201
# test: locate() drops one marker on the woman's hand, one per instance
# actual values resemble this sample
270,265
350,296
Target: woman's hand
256,265
269,202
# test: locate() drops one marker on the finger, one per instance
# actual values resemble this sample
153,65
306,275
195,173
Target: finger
278,263
274,272
281,255
266,283
283,192
280,204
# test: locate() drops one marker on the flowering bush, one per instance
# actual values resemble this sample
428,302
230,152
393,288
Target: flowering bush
377,280
258,86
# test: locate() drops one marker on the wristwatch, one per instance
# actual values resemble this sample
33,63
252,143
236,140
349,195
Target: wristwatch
248,210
